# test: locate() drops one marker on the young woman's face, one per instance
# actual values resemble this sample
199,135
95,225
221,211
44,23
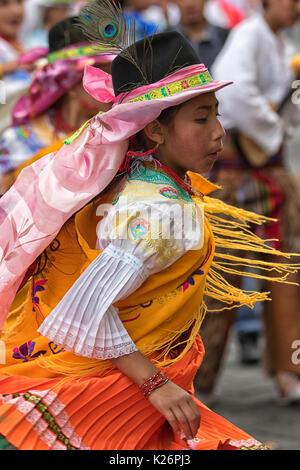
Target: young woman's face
11,17
194,139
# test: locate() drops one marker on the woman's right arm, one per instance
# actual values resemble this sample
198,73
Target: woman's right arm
174,403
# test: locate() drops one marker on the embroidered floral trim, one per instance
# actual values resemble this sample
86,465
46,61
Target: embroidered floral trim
176,87
139,227
158,176
48,418
169,192
73,53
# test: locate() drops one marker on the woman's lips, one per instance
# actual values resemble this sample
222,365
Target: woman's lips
214,155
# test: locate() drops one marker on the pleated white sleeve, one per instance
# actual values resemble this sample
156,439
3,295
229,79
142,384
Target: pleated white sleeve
85,321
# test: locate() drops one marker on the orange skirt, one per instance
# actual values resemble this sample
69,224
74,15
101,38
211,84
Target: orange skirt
106,412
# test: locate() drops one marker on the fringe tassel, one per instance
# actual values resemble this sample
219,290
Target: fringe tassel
236,234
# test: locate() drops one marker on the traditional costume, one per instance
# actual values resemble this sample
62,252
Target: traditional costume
126,238
37,119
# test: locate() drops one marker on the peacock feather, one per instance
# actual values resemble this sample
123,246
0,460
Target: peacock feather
105,23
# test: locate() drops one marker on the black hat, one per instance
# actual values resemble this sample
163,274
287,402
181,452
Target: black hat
65,33
156,57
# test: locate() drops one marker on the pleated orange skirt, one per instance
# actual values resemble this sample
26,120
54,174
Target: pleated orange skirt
106,412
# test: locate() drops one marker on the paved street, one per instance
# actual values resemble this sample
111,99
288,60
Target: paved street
247,399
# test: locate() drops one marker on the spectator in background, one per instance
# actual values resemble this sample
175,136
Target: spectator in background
135,9
229,13
15,78
206,38
56,104
48,13
163,13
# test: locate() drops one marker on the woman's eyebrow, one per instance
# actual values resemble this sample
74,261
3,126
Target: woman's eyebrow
207,106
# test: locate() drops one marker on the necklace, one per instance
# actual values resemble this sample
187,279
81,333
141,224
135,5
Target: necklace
184,184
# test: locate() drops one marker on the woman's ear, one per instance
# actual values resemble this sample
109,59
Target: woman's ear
155,132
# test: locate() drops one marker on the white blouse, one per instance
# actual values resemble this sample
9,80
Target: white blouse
257,61
138,239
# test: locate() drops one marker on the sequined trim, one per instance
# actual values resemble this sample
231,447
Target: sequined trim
48,418
176,87
74,52
250,444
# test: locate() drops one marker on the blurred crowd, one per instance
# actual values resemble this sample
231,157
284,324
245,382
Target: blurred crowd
257,44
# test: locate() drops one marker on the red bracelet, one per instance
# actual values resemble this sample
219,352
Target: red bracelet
156,381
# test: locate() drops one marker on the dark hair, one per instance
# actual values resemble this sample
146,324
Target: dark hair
167,116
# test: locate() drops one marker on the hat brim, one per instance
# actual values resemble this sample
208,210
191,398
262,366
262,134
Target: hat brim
132,117
132,111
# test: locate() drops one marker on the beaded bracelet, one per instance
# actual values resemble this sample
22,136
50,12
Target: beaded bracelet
156,381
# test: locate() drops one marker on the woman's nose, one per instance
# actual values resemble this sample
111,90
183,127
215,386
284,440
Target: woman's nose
219,131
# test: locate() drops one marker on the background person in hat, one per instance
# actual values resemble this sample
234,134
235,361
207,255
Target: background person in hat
254,175
15,76
46,14
56,103
114,299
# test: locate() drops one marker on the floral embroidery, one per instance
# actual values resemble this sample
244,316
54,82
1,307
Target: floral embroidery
169,192
25,352
53,348
132,319
139,227
191,281
158,176
37,287
147,304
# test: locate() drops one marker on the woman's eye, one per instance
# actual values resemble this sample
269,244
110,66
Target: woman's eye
201,120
